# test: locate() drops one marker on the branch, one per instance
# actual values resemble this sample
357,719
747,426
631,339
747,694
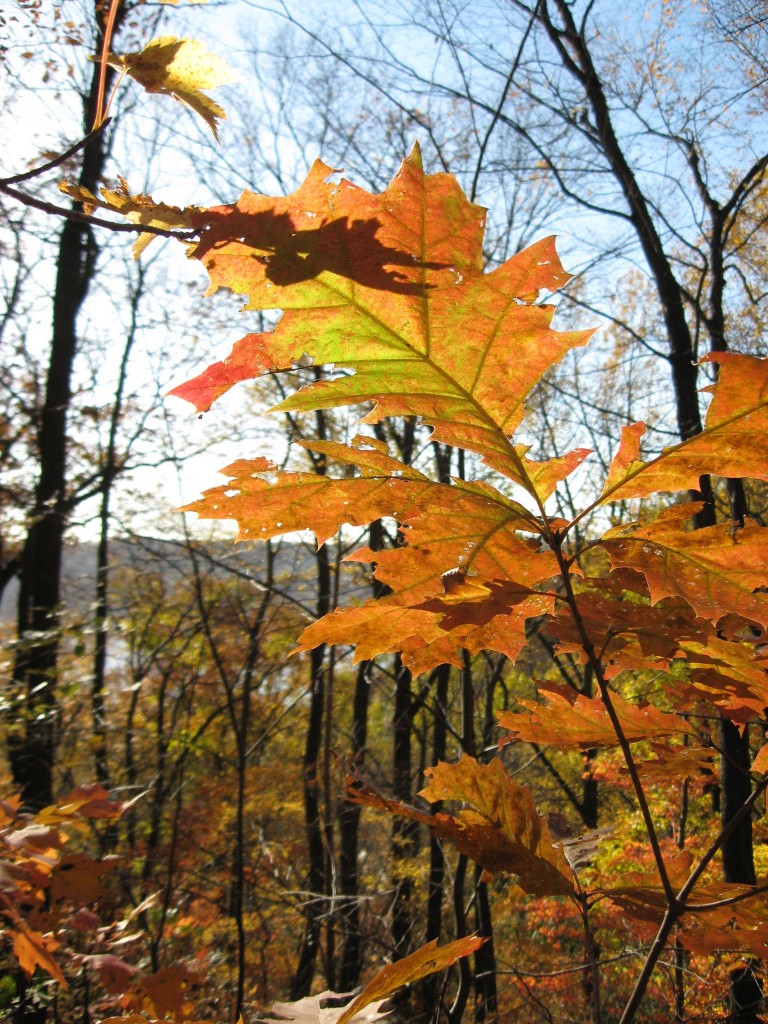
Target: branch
97,222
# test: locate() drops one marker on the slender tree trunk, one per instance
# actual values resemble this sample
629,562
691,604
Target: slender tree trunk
351,958
430,986
32,742
436,855
305,970
745,993
486,996
351,964
313,805
109,471
456,1012
460,876
403,831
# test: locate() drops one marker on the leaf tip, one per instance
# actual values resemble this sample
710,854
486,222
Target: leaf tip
415,157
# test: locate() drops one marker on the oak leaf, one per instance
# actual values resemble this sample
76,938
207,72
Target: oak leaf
673,763
760,763
717,570
266,502
730,675
165,991
384,285
137,208
86,801
77,877
734,442
569,721
33,949
720,916
449,530
435,631
423,962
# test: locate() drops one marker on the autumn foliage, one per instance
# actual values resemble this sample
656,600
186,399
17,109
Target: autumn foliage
388,297
388,294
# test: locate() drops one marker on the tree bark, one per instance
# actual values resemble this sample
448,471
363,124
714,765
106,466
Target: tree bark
315,826
403,831
305,970
745,993
351,963
32,741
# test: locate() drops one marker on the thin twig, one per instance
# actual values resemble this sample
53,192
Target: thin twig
97,222
57,161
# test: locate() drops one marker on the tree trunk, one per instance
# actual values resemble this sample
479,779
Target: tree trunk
110,469
32,741
351,962
403,831
573,48
305,970
745,994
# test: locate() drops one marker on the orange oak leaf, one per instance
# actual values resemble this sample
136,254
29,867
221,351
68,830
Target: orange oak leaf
77,877
384,285
266,502
730,675
545,476
465,526
571,721
717,570
734,442
471,528
760,763
671,764
719,916
378,627
425,961
436,631
216,380
499,827
447,528
86,801
166,990
627,632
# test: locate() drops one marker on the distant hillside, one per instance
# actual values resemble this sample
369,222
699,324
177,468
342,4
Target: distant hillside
170,558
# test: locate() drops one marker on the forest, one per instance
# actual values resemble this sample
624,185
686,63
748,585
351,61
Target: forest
383,472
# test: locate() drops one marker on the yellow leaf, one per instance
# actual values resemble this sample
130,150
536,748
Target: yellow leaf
137,208
499,827
181,68
427,960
